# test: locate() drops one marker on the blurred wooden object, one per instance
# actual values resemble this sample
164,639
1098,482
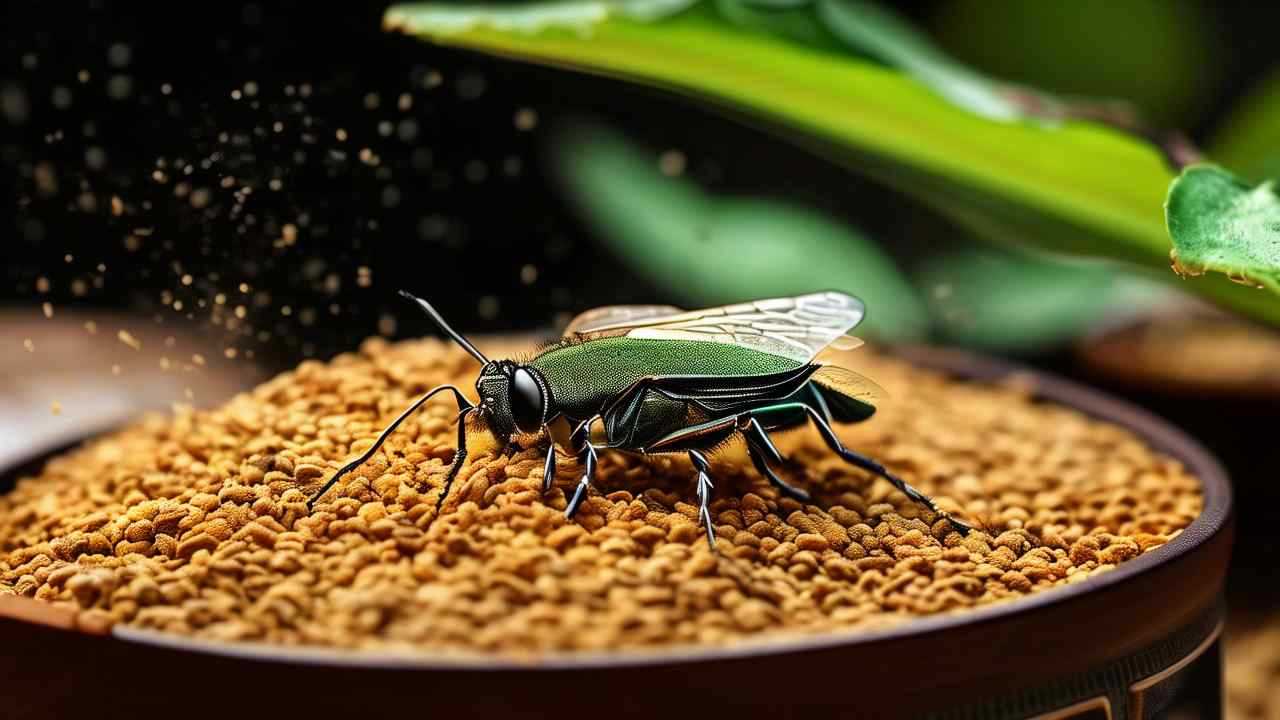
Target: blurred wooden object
1204,354
70,376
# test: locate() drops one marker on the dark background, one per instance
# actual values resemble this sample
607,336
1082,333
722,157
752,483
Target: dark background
456,207
448,198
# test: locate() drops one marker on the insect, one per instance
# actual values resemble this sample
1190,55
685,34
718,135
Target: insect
650,379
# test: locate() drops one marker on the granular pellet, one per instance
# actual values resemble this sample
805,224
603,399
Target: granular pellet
198,523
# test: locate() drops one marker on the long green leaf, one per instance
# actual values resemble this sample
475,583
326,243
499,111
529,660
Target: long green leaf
704,250
1019,302
1077,188
1249,141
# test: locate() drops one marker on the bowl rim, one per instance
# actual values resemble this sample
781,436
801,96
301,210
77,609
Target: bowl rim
964,365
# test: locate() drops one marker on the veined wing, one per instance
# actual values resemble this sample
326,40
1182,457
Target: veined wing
849,396
595,323
796,328
850,384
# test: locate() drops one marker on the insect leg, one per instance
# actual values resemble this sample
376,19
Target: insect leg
588,475
580,440
758,445
549,467
464,405
704,495
458,458
876,468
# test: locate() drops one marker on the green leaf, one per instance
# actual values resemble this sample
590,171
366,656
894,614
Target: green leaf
1077,188
1019,302
1221,224
537,16
1164,57
707,250
882,35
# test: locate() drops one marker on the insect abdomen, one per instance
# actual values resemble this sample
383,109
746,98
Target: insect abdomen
584,377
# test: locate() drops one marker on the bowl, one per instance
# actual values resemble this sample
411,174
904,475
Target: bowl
1139,641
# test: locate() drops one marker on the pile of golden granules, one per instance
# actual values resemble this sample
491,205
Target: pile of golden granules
198,524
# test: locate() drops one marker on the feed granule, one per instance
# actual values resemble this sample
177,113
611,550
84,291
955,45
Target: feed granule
197,524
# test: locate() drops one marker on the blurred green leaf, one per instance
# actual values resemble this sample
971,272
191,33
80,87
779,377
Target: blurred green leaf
1019,302
1164,56
1078,188
532,17
707,250
884,36
1248,142
1221,224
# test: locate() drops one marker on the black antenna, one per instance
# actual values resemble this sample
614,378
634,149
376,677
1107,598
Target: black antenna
457,337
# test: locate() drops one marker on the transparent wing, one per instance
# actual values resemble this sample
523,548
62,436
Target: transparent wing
850,384
797,328
596,323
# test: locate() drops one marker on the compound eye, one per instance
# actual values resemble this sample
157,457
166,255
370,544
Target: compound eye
527,402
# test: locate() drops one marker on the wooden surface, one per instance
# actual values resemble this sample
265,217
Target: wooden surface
48,361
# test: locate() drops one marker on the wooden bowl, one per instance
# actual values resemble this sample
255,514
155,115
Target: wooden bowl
1138,640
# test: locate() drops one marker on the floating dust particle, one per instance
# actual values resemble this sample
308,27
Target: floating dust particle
387,325
229,353
47,309
115,369
55,407
340,134
198,359
404,103
117,206
222,514
46,180
526,119
165,364
125,337
29,345
672,163
288,236
364,276
91,327
42,284
529,274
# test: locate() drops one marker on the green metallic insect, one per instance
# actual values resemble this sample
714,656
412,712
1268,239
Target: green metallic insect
651,379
